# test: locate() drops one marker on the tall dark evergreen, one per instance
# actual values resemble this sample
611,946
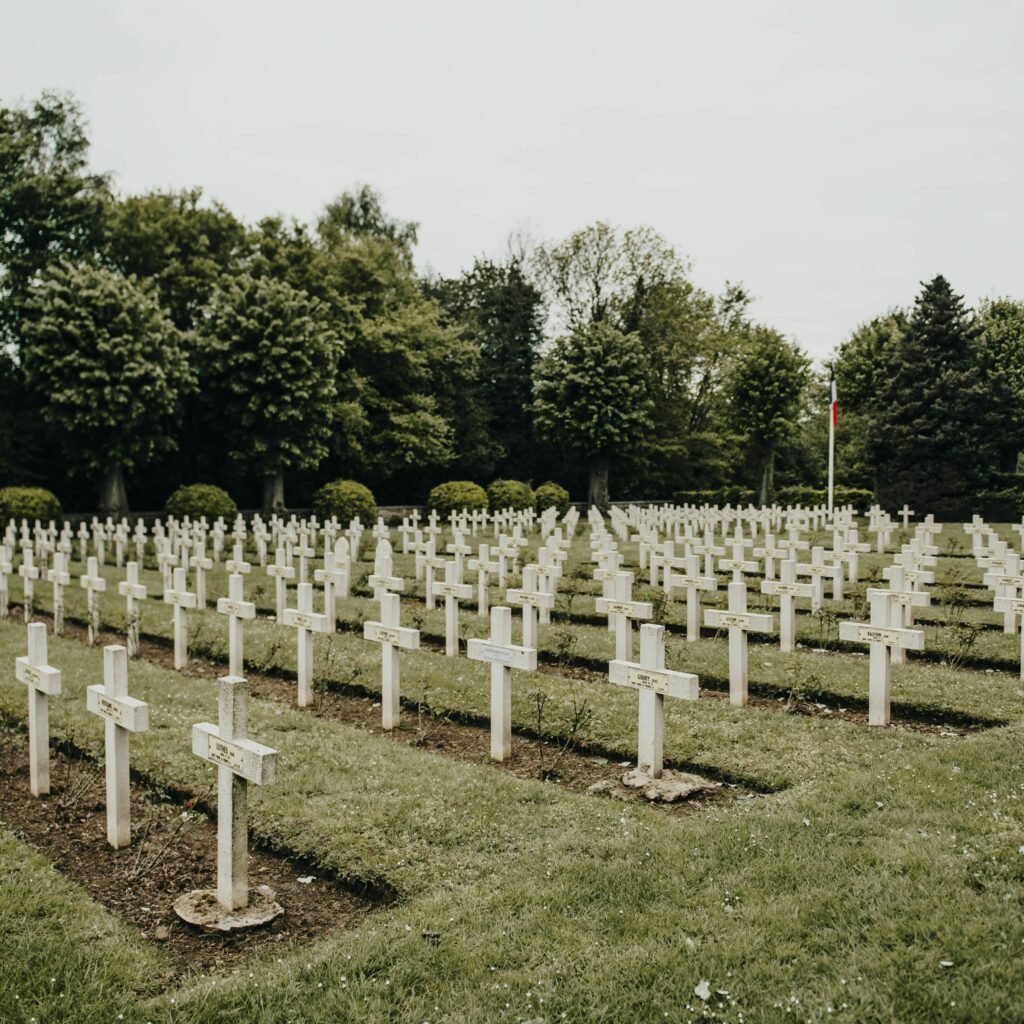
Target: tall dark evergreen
501,311
932,436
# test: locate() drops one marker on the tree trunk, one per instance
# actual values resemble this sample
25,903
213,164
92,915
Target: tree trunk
598,492
113,496
273,492
768,476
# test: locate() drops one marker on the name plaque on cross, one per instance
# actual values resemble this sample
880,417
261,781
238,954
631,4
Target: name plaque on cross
252,761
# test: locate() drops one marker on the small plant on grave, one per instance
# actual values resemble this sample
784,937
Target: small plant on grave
827,621
418,617
859,601
964,637
799,681
571,589
259,592
564,641
323,673
80,776
266,661
659,606
579,718
149,849
953,600
428,721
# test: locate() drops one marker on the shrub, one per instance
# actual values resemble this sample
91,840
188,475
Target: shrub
550,495
195,500
998,506
345,499
28,503
801,494
722,496
456,495
859,497
510,494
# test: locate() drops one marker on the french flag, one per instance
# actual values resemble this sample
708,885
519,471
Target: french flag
834,407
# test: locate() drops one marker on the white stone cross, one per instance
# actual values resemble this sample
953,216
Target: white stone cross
239,761
122,715
453,591
382,581
391,637
94,585
202,565
503,656
5,570
737,565
132,591
817,570
236,608
881,639
654,682
305,553
343,565
306,622
59,576
330,579
739,622
906,512
621,610
1013,606
694,583
770,551
484,568
281,572
237,563
29,573
459,548
180,598
43,682
786,589
530,597
902,602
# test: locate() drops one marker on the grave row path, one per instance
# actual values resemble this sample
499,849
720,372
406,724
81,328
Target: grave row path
544,891
835,678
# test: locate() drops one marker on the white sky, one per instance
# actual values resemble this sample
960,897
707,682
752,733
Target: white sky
830,156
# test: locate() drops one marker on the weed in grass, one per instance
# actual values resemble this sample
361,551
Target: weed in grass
80,776
960,641
659,606
802,681
572,587
148,855
428,721
564,642
267,660
827,621
419,616
565,737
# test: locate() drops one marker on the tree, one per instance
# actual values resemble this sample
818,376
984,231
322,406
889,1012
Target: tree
765,386
501,313
51,208
591,399
268,363
107,367
1001,322
181,245
932,435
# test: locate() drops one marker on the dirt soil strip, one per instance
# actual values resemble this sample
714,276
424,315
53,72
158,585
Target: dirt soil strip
533,757
174,850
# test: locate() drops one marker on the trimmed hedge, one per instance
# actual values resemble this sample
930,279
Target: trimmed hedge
723,496
513,494
195,500
457,496
345,499
28,503
798,494
550,495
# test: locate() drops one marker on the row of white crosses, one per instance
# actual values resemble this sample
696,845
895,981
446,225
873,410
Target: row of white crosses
239,760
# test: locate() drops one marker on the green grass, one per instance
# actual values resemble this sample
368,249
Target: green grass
885,853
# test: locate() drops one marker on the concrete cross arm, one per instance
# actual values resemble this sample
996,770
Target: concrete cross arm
44,678
387,582
908,598
92,583
136,590
631,609
182,598
128,712
752,622
699,582
736,565
535,599
240,609
524,658
60,578
683,685
998,579
462,591
781,589
397,636
865,633
252,761
313,621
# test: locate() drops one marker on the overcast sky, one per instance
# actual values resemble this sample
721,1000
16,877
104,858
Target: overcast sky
829,156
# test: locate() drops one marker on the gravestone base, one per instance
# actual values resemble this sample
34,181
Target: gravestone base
670,786
200,908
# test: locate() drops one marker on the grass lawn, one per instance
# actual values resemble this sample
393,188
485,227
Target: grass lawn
861,864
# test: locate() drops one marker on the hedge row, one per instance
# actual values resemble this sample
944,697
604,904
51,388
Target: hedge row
464,495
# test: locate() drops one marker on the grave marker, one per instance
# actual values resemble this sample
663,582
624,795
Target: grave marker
59,576
43,682
503,656
180,598
306,622
122,715
94,585
739,622
237,609
391,637
453,591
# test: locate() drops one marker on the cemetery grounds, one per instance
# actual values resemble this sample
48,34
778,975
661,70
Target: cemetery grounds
834,872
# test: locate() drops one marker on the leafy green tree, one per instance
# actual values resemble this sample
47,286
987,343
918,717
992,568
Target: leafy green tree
592,399
932,437
501,312
765,386
1001,322
107,367
178,243
268,366
51,207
